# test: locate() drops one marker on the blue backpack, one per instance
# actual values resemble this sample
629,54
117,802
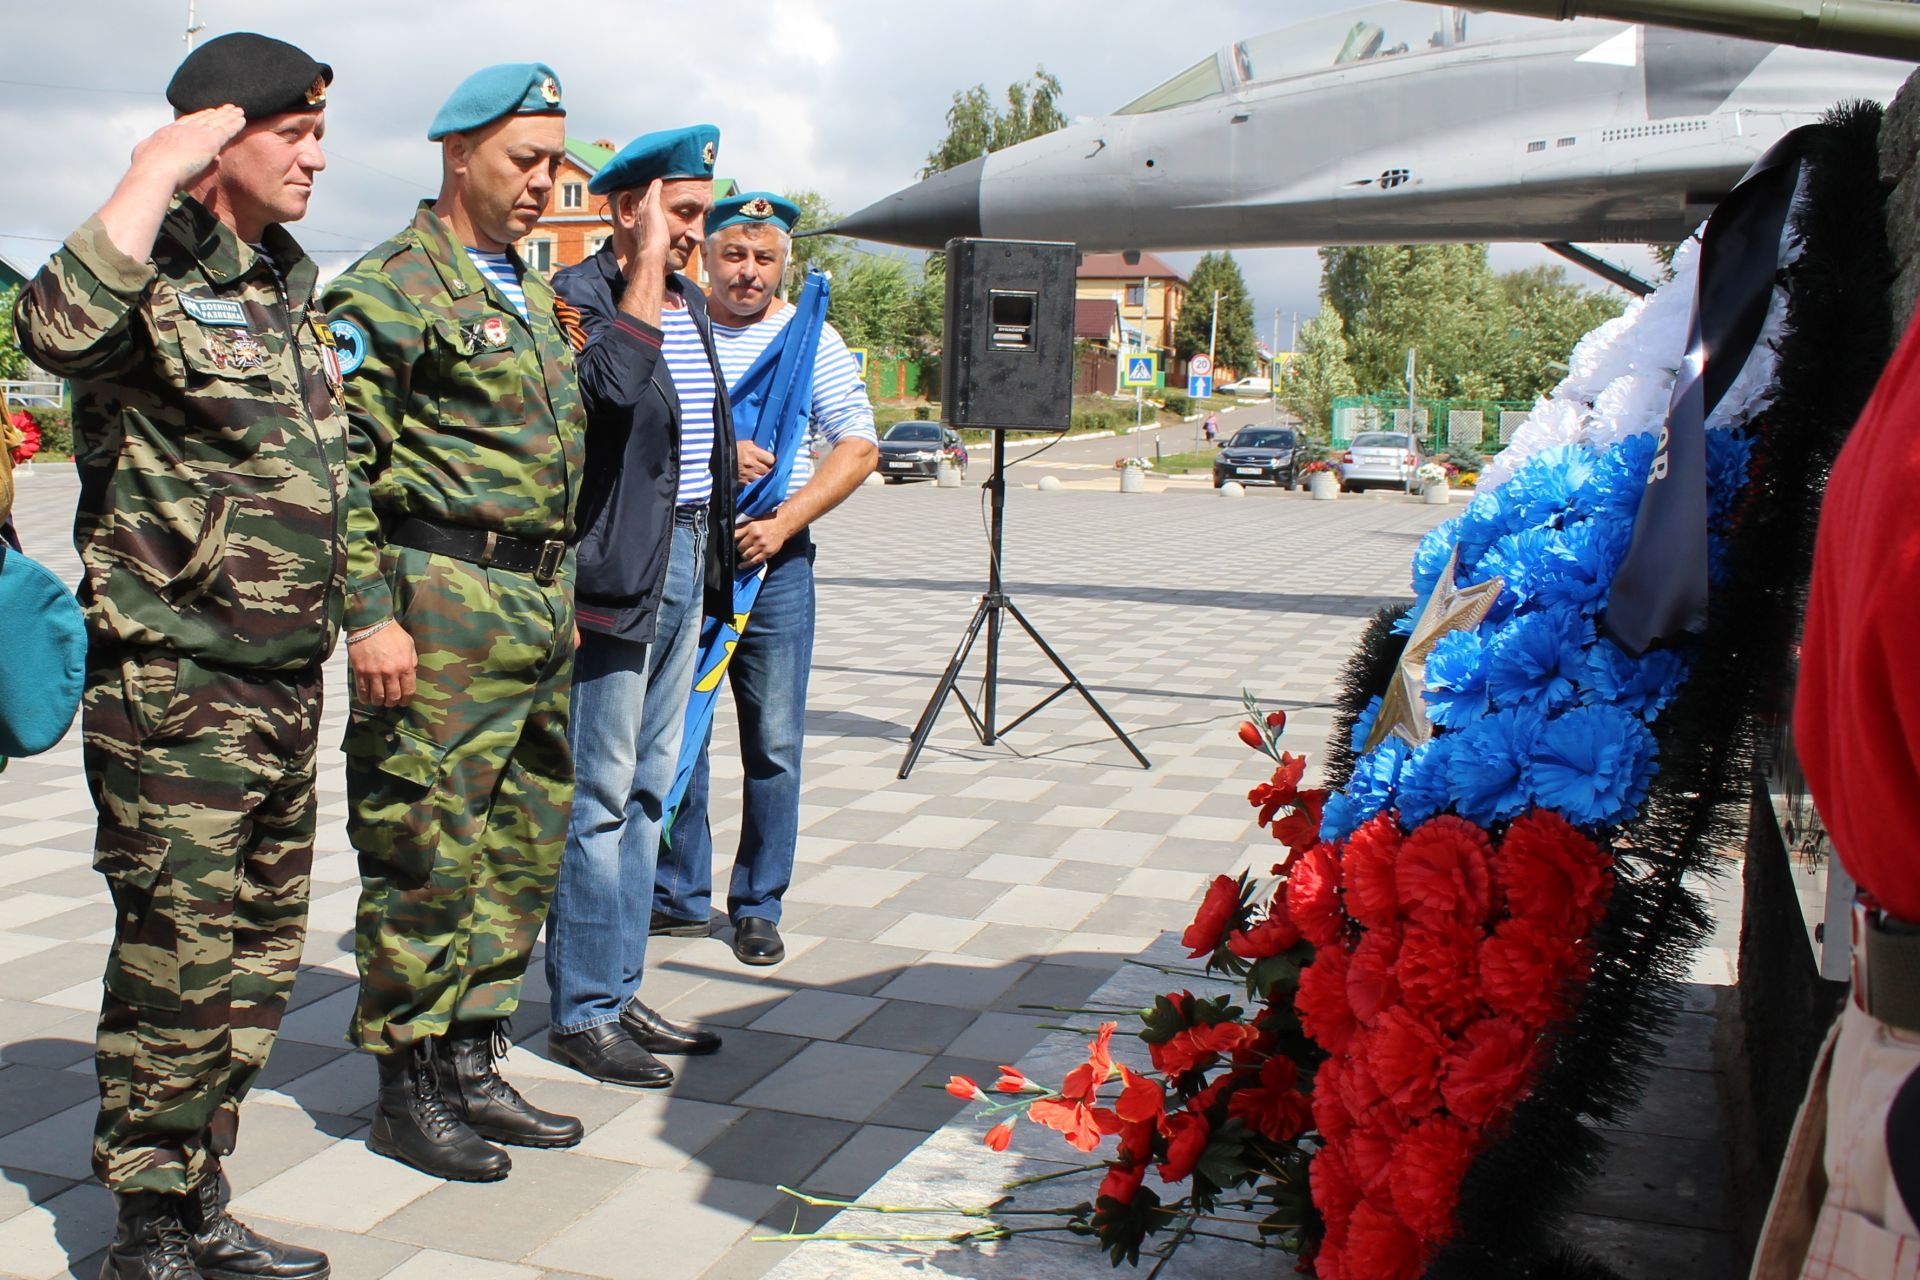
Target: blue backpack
43,659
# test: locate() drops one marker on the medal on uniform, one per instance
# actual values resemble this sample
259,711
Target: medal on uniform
494,330
241,352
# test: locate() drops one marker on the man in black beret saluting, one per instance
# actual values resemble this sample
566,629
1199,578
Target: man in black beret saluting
211,441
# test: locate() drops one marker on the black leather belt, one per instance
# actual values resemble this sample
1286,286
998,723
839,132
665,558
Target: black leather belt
1886,968
483,547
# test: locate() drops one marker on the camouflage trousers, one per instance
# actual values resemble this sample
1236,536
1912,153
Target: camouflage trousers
459,799
204,784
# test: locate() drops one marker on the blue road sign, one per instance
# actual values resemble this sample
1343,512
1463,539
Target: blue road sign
1140,370
859,355
1199,386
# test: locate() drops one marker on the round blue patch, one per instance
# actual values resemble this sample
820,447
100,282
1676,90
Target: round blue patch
350,344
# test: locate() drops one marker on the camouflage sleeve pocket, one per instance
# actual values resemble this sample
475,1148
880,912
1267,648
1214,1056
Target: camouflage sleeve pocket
131,858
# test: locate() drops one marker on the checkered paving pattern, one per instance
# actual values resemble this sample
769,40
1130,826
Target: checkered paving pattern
927,920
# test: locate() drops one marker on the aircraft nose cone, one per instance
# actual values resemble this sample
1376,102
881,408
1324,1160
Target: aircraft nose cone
925,215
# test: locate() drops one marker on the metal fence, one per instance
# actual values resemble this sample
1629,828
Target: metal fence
1485,425
33,394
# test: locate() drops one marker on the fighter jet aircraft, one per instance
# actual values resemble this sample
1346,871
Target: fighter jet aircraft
1401,122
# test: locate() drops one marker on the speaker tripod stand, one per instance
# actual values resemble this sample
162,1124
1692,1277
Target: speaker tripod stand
986,615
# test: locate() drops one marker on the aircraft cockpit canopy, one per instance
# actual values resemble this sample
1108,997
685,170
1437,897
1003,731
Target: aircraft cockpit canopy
1356,35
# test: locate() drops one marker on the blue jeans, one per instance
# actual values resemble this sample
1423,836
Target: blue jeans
629,709
769,677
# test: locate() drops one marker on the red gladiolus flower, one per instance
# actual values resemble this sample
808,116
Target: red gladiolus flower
1404,1054
1380,1247
1301,828
1426,1174
1488,1070
1000,1135
1123,1181
1524,968
1271,797
1270,937
1250,734
1216,913
1277,721
1142,1101
1014,1081
1371,986
1313,898
1179,1055
1552,874
964,1089
1085,1080
1367,872
1439,974
1332,1185
1080,1124
1185,1147
1442,872
1275,1108
1321,1001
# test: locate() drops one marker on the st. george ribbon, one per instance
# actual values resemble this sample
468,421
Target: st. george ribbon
1660,592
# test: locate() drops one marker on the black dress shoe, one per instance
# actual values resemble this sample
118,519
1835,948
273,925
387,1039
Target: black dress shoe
657,1035
757,941
609,1052
415,1126
225,1248
666,926
471,1083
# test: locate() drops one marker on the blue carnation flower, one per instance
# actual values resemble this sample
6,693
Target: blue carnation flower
1363,726
1423,789
1618,481
1456,691
1487,766
1431,556
1729,454
1593,764
1338,819
1371,786
1535,663
1521,561
1486,520
1580,571
1546,485
1641,685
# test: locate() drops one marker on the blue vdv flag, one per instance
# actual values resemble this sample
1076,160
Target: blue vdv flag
771,404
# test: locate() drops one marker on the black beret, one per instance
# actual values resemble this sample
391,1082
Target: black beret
260,75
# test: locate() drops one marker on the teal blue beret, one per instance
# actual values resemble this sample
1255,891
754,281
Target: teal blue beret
667,154
753,207
510,89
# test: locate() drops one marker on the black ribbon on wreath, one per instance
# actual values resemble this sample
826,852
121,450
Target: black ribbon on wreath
1660,592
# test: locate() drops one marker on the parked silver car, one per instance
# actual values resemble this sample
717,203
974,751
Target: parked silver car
1382,459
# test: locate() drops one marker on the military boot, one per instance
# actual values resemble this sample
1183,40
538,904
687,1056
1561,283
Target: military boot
152,1239
473,1086
227,1249
415,1126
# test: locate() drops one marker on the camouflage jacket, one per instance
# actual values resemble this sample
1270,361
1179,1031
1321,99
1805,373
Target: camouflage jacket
461,411
210,436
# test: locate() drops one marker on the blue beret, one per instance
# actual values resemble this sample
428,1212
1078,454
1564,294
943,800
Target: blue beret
667,154
510,89
756,208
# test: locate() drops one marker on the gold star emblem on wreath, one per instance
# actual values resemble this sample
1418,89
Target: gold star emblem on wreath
706,154
1403,711
550,91
317,91
758,207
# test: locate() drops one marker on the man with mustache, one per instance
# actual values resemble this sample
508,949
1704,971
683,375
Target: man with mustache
468,438
211,442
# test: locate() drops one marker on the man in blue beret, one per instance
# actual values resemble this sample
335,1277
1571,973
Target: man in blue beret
468,447
748,244
654,550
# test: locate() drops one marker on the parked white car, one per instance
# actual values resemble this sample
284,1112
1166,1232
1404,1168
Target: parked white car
1248,387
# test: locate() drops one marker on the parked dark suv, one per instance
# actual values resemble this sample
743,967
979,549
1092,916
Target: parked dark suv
1259,455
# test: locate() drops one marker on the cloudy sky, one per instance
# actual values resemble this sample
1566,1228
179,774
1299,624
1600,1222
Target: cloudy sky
844,96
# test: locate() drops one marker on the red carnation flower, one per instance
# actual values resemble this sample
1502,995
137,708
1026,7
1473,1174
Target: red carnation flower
1216,913
1332,1184
1272,796
1186,1146
1321,1001
1380,1247
1404,1055
1360,1092
1438,971
1275,1107
1488,1070
1442,872
1367,872
1552,874
1369,1155
1330,1115
1371,986
1524,969
1301,828
1426,1175
1313,897
1123,1181
1275,934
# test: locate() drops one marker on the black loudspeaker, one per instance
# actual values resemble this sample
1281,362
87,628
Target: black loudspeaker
1008,364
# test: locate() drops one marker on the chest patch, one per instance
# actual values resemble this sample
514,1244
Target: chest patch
214,311
241,352
349,345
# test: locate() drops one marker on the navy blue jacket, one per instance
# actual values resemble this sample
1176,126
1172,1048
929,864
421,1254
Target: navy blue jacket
633,458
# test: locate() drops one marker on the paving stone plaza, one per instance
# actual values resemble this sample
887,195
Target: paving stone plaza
926,917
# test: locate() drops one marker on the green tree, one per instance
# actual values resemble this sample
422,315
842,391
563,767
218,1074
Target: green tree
975,126
13,362
1546,314
829,253
1319,373
873,304
1236,347
1440,300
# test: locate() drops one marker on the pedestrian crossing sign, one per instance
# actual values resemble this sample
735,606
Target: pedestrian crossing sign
1140,369
859,355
